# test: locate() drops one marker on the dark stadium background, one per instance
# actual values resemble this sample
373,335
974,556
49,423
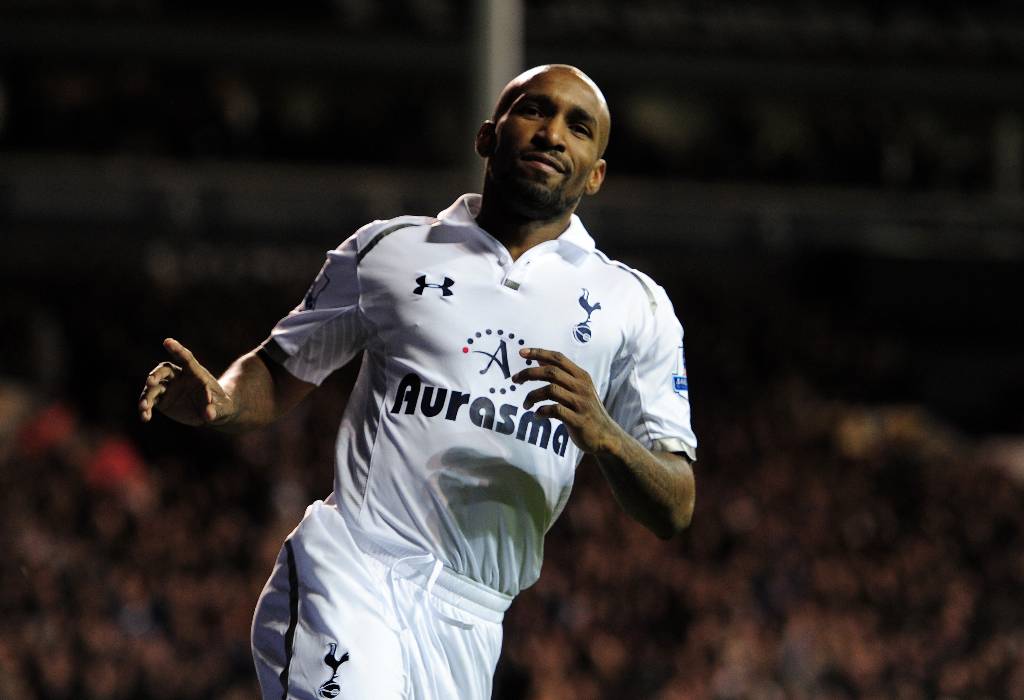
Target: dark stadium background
831,193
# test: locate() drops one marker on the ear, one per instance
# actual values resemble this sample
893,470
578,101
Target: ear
596,177
486,139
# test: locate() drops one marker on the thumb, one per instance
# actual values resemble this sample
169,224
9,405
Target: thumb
219,406
210,412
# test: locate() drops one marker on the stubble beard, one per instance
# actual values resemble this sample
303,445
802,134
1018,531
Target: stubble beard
533,201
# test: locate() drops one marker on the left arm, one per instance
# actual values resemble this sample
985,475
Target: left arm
656,488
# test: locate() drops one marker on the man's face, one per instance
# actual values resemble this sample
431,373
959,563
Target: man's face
544,150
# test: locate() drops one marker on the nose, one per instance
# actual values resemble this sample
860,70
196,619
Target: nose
551,134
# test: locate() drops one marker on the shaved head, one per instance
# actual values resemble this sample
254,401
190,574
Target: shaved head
519,84
544,145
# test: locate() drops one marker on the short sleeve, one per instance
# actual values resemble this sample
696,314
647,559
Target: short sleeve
327,329
649,395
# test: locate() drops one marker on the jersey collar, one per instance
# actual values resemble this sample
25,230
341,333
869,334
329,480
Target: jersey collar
574,243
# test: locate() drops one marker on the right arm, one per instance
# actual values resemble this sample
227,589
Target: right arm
253,392
320,335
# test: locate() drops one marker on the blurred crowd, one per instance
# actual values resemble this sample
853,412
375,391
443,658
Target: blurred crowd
837,552
847,542
657,22
842,547
142,109
907,95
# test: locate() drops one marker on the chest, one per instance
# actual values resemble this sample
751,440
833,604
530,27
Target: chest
462,320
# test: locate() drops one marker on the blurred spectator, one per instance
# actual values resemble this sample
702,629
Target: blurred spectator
840,549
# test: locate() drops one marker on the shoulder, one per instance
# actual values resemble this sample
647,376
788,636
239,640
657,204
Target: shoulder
637,286
375,232
350,253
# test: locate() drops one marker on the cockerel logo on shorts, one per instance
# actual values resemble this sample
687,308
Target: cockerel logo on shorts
331,688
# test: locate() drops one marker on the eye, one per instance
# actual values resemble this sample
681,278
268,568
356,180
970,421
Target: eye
528,109
580,130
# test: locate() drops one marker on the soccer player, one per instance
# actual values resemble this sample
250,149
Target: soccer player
498,346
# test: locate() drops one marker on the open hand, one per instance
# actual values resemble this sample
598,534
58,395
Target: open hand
576,402
187,393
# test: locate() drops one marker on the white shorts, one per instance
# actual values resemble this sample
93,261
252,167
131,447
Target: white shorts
353,621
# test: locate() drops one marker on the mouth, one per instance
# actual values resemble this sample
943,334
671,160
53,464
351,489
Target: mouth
545,162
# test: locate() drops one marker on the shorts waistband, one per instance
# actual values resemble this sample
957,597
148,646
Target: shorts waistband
454,588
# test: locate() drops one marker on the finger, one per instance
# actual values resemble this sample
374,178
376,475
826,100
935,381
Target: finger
163,372
550,357
146,409
218,404
150,395
185,356
546,373
552,392
211,403
557,411
148,400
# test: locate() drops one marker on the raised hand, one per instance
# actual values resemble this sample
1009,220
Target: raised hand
186,393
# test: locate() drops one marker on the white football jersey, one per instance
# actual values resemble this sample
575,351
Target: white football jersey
435,451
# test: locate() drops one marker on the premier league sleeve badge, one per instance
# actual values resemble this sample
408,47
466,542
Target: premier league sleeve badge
679,383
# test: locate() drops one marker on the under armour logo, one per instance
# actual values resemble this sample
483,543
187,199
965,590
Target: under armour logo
445,287
331,688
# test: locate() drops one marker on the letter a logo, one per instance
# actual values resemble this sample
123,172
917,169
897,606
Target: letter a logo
498,357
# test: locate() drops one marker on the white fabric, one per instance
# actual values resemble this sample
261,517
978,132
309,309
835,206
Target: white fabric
406,635
435,453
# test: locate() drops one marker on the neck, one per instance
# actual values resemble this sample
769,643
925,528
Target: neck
515,231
